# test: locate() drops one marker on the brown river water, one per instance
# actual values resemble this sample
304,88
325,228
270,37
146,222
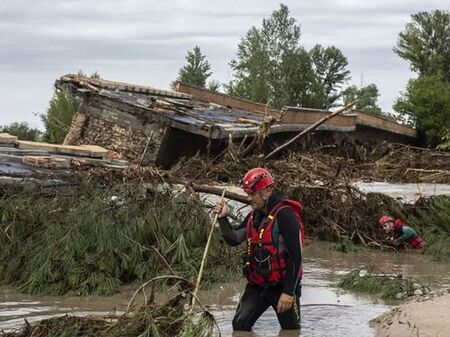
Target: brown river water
326,310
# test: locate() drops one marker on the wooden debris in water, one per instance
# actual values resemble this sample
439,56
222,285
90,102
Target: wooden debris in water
164,320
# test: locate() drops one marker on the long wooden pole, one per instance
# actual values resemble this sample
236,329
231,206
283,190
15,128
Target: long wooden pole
217,191
205,253
310,128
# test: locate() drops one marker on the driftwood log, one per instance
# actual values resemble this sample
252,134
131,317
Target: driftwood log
218,191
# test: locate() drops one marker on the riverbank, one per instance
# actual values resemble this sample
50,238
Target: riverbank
425,317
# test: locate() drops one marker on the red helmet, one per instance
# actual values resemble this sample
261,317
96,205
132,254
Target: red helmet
256,179
385,218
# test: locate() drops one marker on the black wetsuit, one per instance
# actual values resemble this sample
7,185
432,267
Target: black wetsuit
256,299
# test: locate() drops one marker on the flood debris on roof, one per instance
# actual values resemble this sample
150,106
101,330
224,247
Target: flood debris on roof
147,125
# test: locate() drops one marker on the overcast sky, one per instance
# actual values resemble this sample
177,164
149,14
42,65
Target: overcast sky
145,41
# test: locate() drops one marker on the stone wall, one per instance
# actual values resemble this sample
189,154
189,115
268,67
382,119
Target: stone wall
88,127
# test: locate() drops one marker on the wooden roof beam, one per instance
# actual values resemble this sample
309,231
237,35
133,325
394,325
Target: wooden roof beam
206,95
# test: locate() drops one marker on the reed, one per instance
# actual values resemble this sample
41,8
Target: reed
387,286
92,240
432,220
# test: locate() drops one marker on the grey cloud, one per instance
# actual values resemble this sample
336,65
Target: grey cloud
146,40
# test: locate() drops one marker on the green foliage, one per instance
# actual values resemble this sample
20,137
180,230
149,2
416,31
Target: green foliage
59,115
425,43
427,103
344,245
254,69
433,223
387,286
85,242
197,69
62,107
202,328
214,85
22,131
445,145
366,98
330,69
272,67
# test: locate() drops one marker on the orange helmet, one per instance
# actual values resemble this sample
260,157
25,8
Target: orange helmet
384,219
256,179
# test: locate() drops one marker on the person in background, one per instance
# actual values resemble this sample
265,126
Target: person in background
273,233
401,232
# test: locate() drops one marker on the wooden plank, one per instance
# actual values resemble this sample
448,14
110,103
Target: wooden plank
27,145
96,84
19,152
82,151
225,100
96,151
97,162
6,158
6,138
46,162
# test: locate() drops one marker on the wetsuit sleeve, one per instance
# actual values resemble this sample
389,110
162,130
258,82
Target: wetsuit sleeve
290,229
233,236
408,234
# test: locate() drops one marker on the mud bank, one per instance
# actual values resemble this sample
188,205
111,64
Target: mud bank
424,317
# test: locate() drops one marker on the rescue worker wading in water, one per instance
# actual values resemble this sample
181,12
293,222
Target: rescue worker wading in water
273,233
401,232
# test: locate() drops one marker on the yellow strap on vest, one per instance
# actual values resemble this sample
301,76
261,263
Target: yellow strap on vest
261,234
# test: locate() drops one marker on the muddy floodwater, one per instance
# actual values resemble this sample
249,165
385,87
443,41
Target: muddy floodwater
326,310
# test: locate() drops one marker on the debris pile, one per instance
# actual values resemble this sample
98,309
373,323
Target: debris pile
151,319
55,156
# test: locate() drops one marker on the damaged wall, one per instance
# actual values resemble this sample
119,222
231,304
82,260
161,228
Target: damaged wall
116,127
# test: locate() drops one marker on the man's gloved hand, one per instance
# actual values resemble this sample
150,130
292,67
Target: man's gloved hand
221,209
285,302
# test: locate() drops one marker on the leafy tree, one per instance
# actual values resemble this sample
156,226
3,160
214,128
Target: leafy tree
63,106
272,67
426,104
366,98
197,69
262,58
214,85
301,86
330,66
425,43
59,115
252,69
22,131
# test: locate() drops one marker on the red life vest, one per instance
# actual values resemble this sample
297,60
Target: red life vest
416,242
266,261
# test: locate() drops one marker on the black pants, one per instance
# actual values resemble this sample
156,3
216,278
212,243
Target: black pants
256,300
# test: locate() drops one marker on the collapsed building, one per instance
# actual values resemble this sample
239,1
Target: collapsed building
147,125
